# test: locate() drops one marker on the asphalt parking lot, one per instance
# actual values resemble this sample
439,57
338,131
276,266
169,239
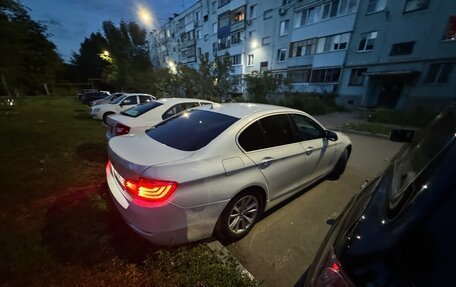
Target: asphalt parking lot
283,244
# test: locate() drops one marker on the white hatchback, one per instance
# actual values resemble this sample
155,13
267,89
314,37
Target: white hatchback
216,169
139,118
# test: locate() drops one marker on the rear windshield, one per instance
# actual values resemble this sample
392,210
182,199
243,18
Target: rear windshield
141,109
191,130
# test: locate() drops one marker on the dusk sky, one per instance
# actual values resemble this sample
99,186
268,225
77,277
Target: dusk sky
70,21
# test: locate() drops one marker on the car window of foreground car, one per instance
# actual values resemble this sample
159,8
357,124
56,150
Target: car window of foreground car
191,130
413,158
141,109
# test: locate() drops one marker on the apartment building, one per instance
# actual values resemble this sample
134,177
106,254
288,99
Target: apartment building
402,55
304,41
389,53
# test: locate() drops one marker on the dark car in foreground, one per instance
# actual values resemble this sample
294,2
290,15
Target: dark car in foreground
400,230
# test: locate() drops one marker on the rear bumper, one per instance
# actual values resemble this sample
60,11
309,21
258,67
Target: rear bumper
163,225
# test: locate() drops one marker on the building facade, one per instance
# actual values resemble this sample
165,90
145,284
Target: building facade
370,52
402,55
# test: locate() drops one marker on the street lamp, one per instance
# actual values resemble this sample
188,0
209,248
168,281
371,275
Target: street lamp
145,16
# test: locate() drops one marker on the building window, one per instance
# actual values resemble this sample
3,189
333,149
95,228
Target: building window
367,41
224,20
357,77
237,37
224,43
252,11
214,28
267,14
214,46
206,18
206,37
281,54
376,6
263,66
197,15
414,5
439,73
284,27
250,60
251,33
279,78
223,2
325,75
214,7
238,15
333,43
404,48
347,6
265,40
198,34
285,2
236,60
306,17
301,48
299,76
330,9
450,33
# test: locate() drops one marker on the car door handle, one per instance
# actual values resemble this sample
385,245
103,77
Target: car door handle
265,162
309,150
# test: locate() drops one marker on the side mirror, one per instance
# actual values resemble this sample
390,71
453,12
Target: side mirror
332,136
402,135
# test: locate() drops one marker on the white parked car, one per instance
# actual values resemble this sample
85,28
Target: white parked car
216,169
126,101
143,116
107,100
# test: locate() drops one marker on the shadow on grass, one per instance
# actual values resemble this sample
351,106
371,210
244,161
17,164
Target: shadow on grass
95,152
82,114
85,228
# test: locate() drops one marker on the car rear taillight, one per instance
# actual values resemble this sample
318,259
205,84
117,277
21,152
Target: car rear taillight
122,129
332,275
150,190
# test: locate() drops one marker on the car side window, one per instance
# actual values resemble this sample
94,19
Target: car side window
278,130
144,99
173,110
132,100
306,128
252,138
190,105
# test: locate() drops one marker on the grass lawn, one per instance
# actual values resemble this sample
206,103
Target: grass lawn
373,128
58,225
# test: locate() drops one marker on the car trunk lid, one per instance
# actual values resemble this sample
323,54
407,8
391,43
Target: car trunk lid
132,155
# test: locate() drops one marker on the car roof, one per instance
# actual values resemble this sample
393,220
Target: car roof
180,100
136,94
241,110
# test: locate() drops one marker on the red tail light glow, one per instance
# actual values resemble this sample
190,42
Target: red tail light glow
122,129
332,274
150,190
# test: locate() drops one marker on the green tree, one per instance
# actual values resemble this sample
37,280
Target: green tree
221,70
259,85
88,63
28,59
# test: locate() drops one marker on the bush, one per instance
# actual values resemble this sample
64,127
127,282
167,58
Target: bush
312,103
418,117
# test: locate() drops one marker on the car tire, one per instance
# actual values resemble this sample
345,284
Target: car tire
105,116
339,168
239,216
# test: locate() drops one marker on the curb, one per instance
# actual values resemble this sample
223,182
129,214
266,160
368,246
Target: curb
223,253
361,133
